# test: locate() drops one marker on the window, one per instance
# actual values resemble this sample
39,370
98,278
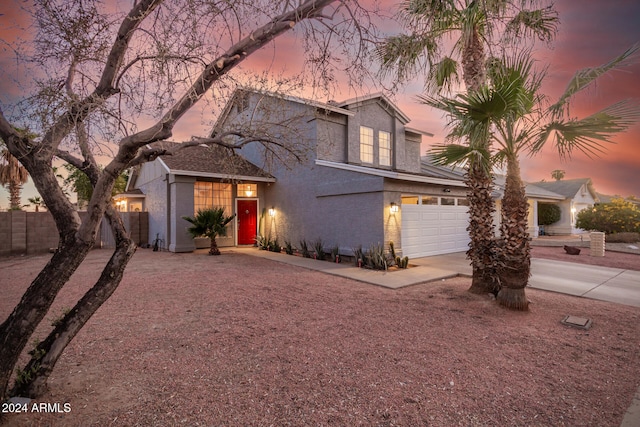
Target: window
428,200
463,202
247,190
384,140
366,144
409,200
212,195
448,201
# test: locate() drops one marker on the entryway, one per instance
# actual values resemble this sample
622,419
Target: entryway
247,218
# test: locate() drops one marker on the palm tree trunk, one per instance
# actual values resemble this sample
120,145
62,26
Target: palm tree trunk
482,247
14,195
214,246
516,251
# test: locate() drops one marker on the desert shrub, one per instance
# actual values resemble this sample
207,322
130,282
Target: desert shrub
618,216
288,247
304,249
548,213
625,237
318,247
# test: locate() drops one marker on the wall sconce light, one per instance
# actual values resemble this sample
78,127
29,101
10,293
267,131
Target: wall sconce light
394,207
446,190
272,212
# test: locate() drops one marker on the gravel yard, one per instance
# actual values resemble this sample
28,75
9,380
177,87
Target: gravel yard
237,340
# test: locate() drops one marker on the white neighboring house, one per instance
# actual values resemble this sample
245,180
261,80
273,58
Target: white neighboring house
578,194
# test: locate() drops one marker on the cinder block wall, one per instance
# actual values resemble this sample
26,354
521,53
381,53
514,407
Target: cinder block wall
26,233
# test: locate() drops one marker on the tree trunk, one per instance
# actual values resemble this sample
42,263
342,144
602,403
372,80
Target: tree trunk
14,195
47,353
214,247
516,252
482,247
34,305
473,65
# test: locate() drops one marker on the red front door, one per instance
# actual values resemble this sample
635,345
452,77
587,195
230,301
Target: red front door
247,221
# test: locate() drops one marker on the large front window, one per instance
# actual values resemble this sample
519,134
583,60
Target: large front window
366,144
208,195
384,140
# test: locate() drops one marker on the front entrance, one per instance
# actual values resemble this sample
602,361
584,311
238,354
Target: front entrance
247,221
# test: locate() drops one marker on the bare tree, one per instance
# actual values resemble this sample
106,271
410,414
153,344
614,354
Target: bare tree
102,75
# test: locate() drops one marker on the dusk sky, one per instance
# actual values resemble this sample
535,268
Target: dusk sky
591,32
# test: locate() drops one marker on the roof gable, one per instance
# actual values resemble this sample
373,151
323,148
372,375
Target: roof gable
211,161
569,187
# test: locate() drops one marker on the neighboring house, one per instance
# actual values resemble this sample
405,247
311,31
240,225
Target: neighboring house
352,175
578,194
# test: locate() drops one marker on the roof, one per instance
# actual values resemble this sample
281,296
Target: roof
210,161
568,187
456,173
373,96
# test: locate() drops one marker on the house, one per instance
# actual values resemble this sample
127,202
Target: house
348,173
180,184
578,194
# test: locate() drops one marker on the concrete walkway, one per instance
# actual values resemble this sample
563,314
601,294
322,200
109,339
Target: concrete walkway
589,281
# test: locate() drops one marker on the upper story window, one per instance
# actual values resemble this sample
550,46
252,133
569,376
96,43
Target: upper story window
384,141
366,144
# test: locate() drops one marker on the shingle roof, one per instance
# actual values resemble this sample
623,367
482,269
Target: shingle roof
567,187
209,160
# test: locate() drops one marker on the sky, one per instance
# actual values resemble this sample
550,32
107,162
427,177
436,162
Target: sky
590,33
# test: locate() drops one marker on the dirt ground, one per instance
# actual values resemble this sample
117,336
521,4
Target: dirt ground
236,340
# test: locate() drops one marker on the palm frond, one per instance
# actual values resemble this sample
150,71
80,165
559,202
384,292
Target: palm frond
443,75
585,77
406,54
589,135
542,23
459,155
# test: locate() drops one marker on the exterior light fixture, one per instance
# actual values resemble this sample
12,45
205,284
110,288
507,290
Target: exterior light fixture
272,212
394,207
446,190
248,191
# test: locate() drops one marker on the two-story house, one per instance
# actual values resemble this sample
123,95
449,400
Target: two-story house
348,173
360,182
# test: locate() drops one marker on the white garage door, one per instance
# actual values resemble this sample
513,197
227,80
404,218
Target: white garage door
434,229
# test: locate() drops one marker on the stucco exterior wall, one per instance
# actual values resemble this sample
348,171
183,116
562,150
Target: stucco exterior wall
157,207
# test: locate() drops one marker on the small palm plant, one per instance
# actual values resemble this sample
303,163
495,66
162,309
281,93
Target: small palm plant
210,223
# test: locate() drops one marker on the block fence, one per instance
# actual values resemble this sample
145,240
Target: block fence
26,233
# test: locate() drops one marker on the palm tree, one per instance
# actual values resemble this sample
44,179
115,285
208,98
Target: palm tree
37,202
209,223
512,112
471,24
12,175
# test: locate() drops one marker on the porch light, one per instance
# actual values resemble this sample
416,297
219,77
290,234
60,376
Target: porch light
394,207
248,191
272,212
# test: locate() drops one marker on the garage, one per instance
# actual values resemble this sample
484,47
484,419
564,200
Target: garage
433,225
